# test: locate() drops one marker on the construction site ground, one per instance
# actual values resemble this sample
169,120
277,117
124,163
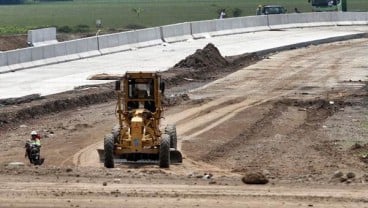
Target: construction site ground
299,117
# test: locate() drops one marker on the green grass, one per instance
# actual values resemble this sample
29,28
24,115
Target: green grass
118,14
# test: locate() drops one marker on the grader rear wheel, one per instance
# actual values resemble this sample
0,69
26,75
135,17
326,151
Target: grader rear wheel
171,131
164,157
109,151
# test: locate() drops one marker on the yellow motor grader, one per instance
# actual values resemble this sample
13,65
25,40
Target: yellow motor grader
138,137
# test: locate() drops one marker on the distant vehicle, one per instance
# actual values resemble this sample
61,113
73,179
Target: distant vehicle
328,5
270,9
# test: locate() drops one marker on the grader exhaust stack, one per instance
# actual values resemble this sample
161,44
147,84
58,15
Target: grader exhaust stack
137,137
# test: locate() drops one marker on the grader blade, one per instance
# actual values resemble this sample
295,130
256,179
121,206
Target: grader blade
101,154
175,156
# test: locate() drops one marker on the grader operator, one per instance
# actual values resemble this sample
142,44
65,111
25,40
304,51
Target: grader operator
138,137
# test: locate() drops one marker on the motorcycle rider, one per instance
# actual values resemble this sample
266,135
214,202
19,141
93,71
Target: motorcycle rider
34,140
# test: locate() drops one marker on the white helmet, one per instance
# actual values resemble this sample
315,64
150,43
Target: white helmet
33,133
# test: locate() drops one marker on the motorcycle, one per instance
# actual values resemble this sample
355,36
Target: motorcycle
33,153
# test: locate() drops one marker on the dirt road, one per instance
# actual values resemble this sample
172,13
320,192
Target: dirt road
294,116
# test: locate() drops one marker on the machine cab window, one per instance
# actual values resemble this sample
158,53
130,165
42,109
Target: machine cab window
141,94
141,89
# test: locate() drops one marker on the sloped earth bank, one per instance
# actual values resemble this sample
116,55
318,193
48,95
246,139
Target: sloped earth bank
299,117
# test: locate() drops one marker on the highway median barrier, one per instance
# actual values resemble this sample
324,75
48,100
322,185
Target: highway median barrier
177,32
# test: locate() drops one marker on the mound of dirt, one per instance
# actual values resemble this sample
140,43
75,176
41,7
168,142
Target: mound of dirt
208,57
205,65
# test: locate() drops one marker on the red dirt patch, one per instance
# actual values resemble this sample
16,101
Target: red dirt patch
13,42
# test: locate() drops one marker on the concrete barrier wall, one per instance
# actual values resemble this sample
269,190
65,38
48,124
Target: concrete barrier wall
14,56
227,26
127,38
116,42
3,59
37,53
148,37
94,46
240,25
88,47
25,55
289,20
202,29
60,49
48,51
124,41
317,19
42,36
176,32
71,47
108,41
352,18
254,22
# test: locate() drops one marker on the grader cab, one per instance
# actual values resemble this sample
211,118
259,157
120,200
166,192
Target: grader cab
138,137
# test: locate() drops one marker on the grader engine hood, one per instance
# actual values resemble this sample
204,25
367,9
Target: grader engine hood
136,132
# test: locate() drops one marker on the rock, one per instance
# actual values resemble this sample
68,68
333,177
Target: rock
117,180
23,126
266,172
212,182
104,183
255,178
69,170
207,176
350,175
338,174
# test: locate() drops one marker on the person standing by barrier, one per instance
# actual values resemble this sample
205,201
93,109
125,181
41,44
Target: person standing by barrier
222,14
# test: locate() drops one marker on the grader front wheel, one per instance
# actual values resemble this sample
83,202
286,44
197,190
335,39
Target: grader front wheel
109,151
164,157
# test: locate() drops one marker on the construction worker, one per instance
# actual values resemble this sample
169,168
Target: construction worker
259,10
34,140
222,14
